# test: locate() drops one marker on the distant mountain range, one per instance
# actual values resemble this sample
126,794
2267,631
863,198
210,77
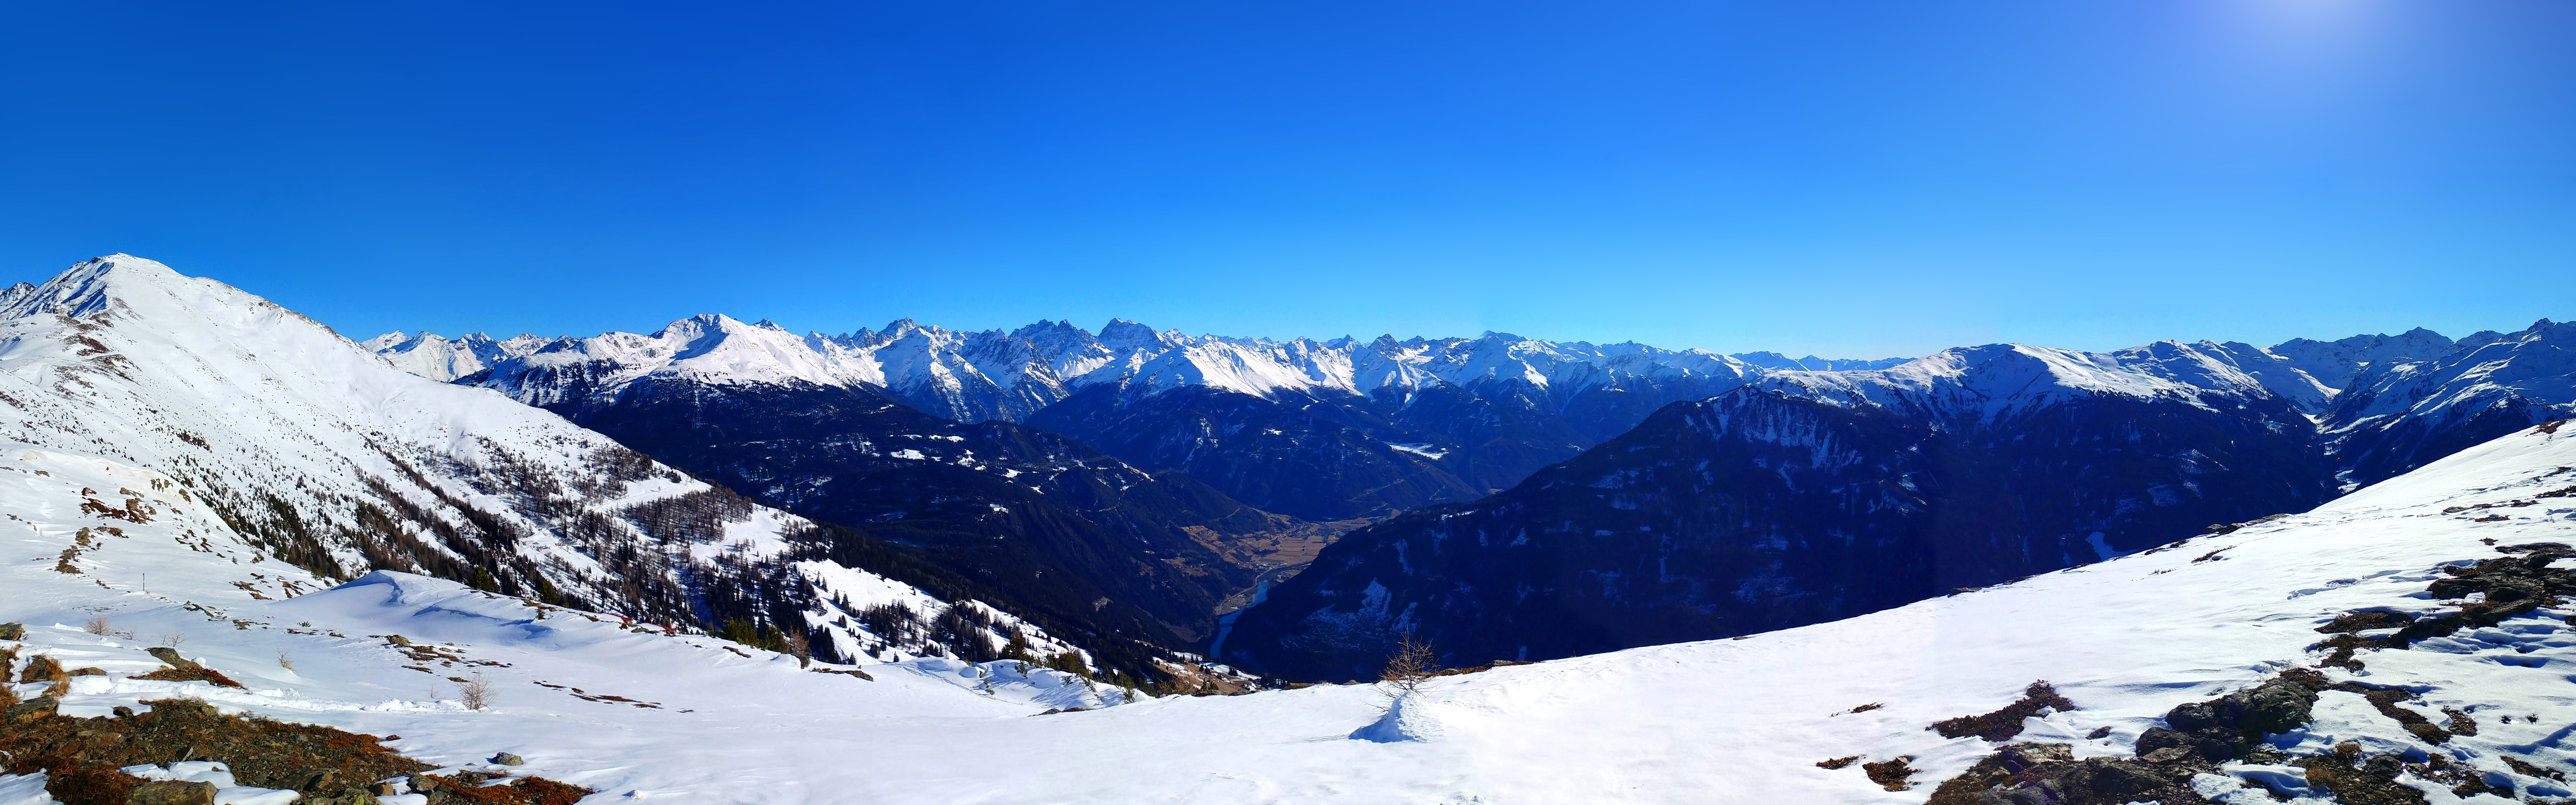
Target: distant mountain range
1548,498
1804,497
1324,430
186,467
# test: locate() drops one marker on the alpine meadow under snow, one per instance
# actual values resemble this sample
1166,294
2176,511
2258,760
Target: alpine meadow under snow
1980,576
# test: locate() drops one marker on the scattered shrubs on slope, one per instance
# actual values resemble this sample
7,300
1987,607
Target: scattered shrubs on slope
196,673
183,669
80,757
469,787
2002,725
1890,774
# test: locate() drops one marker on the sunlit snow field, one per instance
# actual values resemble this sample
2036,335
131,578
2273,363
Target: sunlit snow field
1725,721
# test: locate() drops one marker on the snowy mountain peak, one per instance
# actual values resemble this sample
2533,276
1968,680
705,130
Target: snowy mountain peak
1991,382
998,374
107,283
437,358
1127,335
1774,360
2335,363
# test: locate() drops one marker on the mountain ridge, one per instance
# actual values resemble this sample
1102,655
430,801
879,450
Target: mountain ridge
316,460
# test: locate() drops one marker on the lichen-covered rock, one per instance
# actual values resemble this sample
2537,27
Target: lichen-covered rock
43,668
2277,706
35,708
171,656
2048,774
171,792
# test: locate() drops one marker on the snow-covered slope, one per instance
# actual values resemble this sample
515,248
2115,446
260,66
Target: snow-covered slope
2402,414
1731,721
181,553
323,454
2334,364
1969,385
295,451
437,358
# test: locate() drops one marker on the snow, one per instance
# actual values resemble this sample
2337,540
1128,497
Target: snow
1988,383
997,374
1730,721
2537,364
2336,364
1735,720
440,359
696,719
23,789
197,394
1428,451
136,389
227,792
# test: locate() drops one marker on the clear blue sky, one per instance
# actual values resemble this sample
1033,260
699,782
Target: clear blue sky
1844,178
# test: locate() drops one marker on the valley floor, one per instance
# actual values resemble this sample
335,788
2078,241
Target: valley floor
642,715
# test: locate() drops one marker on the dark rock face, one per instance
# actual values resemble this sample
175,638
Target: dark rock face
1337,455
2049,774
1759,510
2229,726
1321,459
1032,521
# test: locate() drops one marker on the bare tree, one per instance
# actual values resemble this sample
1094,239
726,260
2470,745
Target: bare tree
476,693
1407,667
98,625
797,645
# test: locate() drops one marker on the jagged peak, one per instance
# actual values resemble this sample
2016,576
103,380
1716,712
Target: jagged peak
1130,334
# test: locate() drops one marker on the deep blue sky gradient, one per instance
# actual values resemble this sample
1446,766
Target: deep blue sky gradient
1844,178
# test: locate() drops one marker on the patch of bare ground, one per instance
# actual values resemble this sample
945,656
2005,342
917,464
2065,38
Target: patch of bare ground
80,756
1890,774
2197,736
2002,725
